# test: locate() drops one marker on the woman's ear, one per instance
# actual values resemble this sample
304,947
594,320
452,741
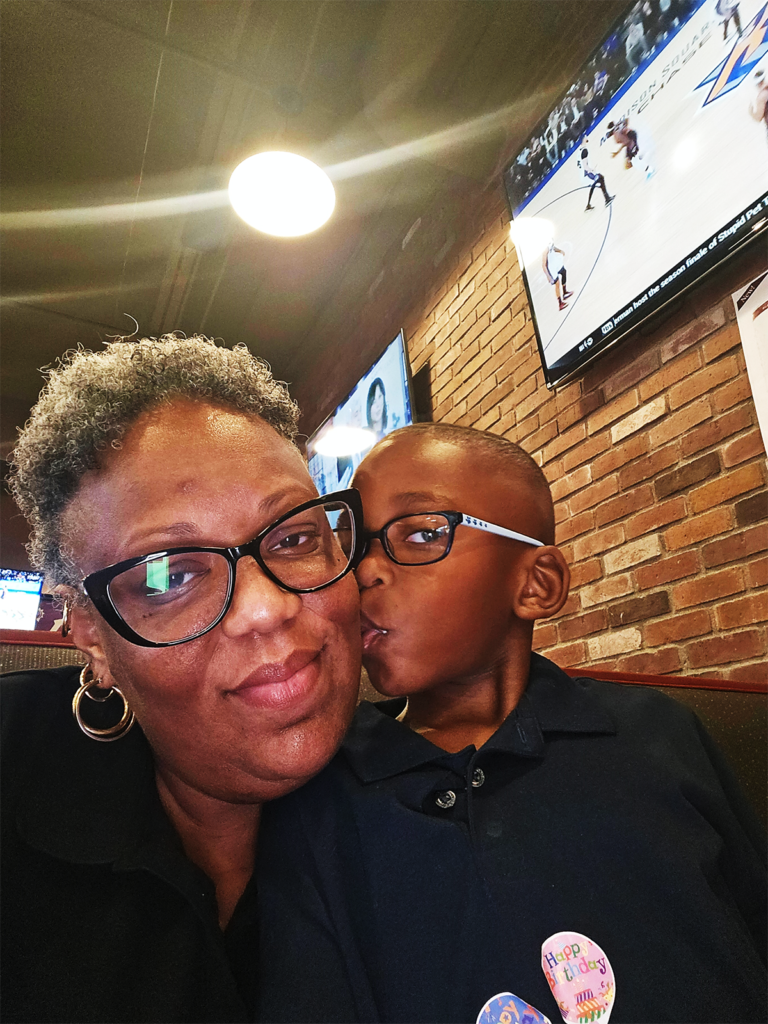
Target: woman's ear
544,586
85,635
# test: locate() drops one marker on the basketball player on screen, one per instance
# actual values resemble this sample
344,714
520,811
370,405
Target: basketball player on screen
595,179
758,108
729,10
553,265
626,138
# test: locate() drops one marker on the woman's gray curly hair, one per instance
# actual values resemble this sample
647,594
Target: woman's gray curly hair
92,399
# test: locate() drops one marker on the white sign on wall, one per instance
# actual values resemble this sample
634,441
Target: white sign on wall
752,316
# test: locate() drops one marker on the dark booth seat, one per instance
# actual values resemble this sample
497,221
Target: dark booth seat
23,649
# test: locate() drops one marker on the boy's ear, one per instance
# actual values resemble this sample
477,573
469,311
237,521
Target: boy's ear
85,636
545,584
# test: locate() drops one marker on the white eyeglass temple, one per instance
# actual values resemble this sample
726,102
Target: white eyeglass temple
480,524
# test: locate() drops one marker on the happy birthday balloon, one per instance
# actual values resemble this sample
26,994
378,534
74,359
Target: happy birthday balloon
580,976
506,1008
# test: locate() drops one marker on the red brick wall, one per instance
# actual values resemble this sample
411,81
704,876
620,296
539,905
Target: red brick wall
654,455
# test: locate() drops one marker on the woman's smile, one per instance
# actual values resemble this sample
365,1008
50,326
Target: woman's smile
287,684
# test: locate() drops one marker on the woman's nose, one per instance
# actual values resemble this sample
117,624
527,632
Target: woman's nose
258,604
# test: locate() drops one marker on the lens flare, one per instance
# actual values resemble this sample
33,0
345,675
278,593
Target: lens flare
281,194
531,236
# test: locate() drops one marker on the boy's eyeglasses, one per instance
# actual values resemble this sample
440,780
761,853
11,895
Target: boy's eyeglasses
426,537
176,595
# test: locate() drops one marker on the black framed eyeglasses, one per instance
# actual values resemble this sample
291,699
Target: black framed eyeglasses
172,596
426,537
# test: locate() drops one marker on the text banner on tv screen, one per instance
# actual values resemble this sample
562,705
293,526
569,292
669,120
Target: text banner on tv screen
651,170
379,403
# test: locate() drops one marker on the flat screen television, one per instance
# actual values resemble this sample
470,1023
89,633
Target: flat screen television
380,402
19,598
650,170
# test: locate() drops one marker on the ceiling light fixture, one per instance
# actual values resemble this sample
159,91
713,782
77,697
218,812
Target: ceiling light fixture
281,194
343,440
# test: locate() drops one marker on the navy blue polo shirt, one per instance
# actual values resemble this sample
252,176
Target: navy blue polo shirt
406,883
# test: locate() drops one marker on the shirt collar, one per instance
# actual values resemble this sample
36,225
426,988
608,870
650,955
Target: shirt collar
378,747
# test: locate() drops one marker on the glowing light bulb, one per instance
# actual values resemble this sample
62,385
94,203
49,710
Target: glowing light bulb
281,194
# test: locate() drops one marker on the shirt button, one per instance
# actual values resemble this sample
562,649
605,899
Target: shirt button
478,778
445,799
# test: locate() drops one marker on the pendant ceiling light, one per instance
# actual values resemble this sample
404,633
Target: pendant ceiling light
343,440
281,194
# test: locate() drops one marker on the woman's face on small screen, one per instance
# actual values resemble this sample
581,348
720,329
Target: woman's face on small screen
259,704
377,405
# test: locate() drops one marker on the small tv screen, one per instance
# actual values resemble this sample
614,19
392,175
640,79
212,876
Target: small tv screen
650,170
379,403
19,598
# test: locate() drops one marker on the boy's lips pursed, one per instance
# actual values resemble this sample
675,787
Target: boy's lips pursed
371,631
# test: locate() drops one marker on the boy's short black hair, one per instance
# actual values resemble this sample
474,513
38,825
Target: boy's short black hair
502,454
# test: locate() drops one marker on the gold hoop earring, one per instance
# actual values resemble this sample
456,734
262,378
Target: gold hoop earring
87,684
65,619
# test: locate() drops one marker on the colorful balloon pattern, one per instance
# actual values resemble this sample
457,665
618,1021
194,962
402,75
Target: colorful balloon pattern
580,976
506,1008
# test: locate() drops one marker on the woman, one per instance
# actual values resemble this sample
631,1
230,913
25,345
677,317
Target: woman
377,408
209,589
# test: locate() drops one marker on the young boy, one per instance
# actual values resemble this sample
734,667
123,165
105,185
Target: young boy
495,801
451,628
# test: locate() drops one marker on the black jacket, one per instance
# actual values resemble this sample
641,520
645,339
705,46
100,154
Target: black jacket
103,917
